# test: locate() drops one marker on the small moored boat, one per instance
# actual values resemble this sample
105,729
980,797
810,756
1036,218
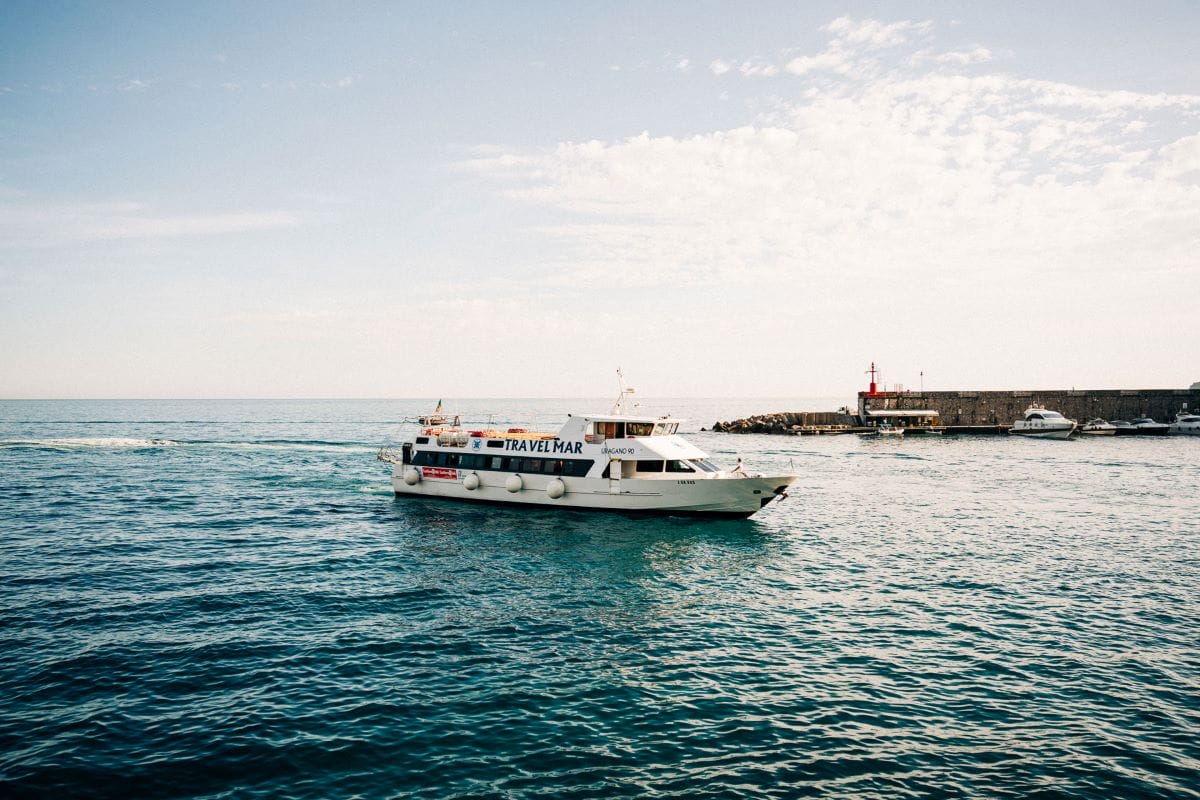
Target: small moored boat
885,430
1098,427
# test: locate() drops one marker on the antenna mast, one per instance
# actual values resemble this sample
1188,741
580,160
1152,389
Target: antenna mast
619,406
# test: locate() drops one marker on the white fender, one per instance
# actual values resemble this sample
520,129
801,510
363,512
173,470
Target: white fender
514,483
411,476
556,488
471,482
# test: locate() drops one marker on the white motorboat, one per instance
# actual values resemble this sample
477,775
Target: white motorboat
885,430
1043,424
1098,427
1148,427
612,462
1185,424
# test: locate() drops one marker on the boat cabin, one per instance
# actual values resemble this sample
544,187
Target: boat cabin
599,429
606,446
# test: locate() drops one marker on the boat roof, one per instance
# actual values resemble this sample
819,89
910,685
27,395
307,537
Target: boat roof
627,418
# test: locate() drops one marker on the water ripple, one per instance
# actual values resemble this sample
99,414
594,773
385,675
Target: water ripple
250,613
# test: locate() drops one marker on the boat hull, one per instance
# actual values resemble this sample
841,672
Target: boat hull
736,497
1043,433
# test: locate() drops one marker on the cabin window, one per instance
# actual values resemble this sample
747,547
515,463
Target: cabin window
1035,416
579,467
679,466
649,466
639,429
422,440
497,462
706,466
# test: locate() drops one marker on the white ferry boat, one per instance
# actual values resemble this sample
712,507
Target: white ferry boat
612,462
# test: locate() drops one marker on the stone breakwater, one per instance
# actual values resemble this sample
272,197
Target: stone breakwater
977,411
789,422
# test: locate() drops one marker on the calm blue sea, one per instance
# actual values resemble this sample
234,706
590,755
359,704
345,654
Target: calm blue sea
223,599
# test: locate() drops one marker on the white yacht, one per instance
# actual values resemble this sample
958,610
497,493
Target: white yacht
613,462
1185,424
1098,427
1043,424
1148,427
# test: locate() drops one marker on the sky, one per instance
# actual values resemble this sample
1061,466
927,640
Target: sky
742,199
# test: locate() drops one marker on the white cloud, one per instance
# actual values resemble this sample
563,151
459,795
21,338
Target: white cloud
683,65
1180,157
872,34
719,67
877,174
976,55
36,225
758,68
855,45
831,60
135,85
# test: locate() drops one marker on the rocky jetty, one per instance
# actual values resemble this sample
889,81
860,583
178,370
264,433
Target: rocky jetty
793,423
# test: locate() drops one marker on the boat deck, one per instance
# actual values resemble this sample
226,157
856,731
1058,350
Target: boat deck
451,434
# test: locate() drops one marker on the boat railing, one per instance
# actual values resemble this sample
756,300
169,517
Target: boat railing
460,437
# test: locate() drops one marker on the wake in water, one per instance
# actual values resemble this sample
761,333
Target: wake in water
67,444
134,444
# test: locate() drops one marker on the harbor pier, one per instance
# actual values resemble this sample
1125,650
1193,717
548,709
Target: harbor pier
970,411
990,408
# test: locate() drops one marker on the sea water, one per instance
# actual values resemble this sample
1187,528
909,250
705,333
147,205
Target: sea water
226,600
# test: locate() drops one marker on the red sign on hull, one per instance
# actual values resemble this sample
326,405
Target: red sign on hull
445,473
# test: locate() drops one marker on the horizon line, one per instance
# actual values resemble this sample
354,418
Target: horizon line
226,398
